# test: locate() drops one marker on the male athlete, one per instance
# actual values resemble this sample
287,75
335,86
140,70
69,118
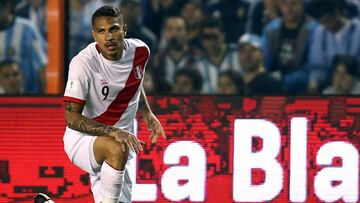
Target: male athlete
101,99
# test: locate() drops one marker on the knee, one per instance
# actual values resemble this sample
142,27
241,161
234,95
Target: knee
116,157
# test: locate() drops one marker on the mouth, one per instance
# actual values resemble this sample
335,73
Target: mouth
110,45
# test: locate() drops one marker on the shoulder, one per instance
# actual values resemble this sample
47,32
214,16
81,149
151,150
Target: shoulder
274,24
135,43
356,23
138,47
311,24
328,90
28,26
84,59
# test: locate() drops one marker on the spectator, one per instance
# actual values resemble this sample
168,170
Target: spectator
11,78
352,9
79,27
345,77
174,53
286,42
193,14
131,10
233,15
187,81
156,11
256,80
337,35
35,11
230,82
219,56
22,42
261,12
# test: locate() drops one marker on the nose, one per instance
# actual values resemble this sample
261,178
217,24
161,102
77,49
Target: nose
110,36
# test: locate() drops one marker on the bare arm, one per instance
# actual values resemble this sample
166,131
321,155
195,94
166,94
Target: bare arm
152,122
78,122
144,106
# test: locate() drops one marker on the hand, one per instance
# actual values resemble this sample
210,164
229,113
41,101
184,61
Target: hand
154,125
127,139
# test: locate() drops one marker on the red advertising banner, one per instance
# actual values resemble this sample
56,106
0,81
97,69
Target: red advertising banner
218,149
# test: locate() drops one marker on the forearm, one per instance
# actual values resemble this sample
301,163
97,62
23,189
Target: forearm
76,121
84,124
144,106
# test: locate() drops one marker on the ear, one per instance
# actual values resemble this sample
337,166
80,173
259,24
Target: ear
93,35
125,29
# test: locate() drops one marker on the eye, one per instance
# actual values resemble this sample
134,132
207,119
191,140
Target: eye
115,29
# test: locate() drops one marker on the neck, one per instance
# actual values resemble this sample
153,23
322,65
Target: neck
340,23
176,54
114,57
217,54
292,23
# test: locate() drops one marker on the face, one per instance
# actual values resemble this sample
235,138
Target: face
330,22
226,85
5,11
212,38
11,78
183,85
109,33
250,57
131,12
291,9
342,80
175,32
192,13
36,3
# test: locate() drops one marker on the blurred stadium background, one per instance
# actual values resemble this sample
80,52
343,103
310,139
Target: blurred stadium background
212,62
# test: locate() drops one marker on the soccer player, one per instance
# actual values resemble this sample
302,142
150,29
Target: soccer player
101,99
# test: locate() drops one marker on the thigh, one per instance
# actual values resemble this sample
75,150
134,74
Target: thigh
82,154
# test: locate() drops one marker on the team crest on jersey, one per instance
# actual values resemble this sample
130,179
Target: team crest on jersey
138,72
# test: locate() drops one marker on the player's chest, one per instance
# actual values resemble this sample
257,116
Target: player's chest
109,83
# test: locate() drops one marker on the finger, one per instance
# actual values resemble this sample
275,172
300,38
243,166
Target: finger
129,144
154,137
123,147
136,143
163,133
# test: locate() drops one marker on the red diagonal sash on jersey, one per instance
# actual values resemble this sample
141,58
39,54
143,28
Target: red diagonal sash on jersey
116,109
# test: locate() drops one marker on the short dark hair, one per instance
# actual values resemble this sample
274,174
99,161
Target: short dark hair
213,22
8,62
195,76
105,11
319,8
350,62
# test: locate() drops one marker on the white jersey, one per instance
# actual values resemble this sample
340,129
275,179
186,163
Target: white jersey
210,72
109,90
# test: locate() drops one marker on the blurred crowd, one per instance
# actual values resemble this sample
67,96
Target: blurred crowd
239,47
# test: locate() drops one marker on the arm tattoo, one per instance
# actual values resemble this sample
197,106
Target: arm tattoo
78,122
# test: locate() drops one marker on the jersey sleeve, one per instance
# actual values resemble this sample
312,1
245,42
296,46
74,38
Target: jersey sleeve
77,86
